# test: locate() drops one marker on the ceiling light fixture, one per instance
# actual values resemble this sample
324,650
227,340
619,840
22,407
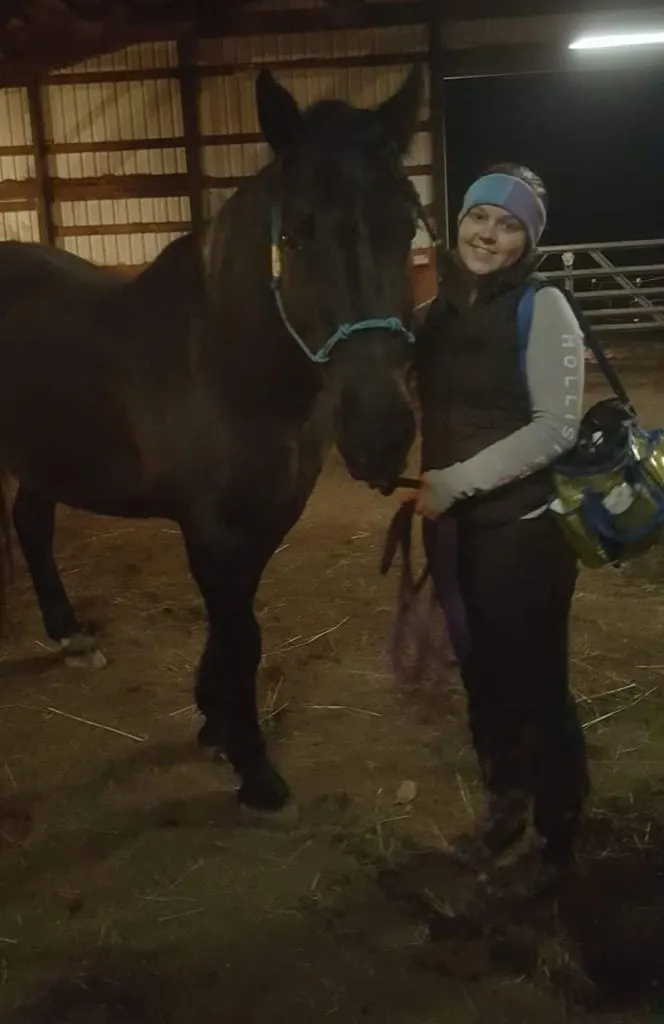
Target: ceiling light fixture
617,39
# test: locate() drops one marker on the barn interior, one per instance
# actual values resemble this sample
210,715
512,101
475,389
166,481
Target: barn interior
130,890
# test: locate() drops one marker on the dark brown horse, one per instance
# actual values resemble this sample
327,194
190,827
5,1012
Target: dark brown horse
208,389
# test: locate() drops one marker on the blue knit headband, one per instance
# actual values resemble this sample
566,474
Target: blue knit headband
513,195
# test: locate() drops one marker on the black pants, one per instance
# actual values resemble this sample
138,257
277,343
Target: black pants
517,582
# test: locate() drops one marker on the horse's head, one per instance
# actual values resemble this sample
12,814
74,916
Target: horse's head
344,215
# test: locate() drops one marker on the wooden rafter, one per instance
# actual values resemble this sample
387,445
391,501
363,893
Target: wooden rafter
37,36
40,155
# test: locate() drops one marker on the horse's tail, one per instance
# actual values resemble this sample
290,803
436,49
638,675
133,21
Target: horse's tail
6,564
410,621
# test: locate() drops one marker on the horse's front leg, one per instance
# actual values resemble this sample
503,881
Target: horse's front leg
228,573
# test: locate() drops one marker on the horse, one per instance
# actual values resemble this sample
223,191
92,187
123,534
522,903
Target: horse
209,388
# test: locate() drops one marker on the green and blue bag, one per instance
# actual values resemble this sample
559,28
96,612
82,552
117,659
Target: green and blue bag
609,489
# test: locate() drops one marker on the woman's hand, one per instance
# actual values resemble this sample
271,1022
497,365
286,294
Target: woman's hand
406,494
432,498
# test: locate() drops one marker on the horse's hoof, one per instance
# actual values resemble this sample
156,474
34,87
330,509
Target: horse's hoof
283,820
81,651
210,736
93,659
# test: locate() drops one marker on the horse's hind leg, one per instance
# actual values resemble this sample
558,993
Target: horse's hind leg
34,522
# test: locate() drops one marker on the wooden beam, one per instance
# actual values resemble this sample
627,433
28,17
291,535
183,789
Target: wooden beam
366,60
22,150
480,10
168,142
361,60
189,97
98,146
438,132
115,145
112,186
129,186
111,75
17,205
242,22
139,228
43,189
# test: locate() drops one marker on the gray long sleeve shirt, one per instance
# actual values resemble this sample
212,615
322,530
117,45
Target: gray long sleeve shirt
555,371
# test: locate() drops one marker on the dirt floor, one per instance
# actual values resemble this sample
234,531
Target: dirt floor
131,893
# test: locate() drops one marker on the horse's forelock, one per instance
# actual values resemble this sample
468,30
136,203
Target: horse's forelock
356,136
344,151
337,120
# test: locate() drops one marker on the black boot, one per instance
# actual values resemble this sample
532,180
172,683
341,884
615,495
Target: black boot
502,825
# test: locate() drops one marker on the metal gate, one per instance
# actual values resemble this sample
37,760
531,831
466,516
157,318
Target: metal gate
620,285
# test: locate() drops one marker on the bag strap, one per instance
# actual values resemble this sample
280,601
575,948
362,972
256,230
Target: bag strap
524,315
593,343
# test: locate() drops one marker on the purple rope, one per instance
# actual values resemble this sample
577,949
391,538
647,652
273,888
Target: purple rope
417,608
441,540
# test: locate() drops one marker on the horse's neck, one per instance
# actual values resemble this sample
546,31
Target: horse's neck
212,294
235,252
175,281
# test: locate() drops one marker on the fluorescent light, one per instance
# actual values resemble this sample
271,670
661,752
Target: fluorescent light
617,39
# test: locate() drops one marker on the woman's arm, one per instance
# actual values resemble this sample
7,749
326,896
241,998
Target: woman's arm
555,373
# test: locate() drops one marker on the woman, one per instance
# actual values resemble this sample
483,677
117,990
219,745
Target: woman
492,426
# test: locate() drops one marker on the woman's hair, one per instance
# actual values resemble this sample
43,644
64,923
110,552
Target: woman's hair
524,174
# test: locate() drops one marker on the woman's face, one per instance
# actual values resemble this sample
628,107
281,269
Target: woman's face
490,239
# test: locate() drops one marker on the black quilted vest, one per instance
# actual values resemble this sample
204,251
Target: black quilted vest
471,386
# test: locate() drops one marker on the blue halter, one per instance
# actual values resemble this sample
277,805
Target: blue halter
391,323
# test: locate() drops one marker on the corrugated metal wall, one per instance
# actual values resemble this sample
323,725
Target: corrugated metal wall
117,175
101,131
18,214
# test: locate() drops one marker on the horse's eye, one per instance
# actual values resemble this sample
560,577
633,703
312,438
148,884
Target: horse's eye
300,234
288,241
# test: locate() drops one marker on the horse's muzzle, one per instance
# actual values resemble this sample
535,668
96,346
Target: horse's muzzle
388,489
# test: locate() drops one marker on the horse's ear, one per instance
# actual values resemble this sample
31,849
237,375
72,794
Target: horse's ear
398,115
278,114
